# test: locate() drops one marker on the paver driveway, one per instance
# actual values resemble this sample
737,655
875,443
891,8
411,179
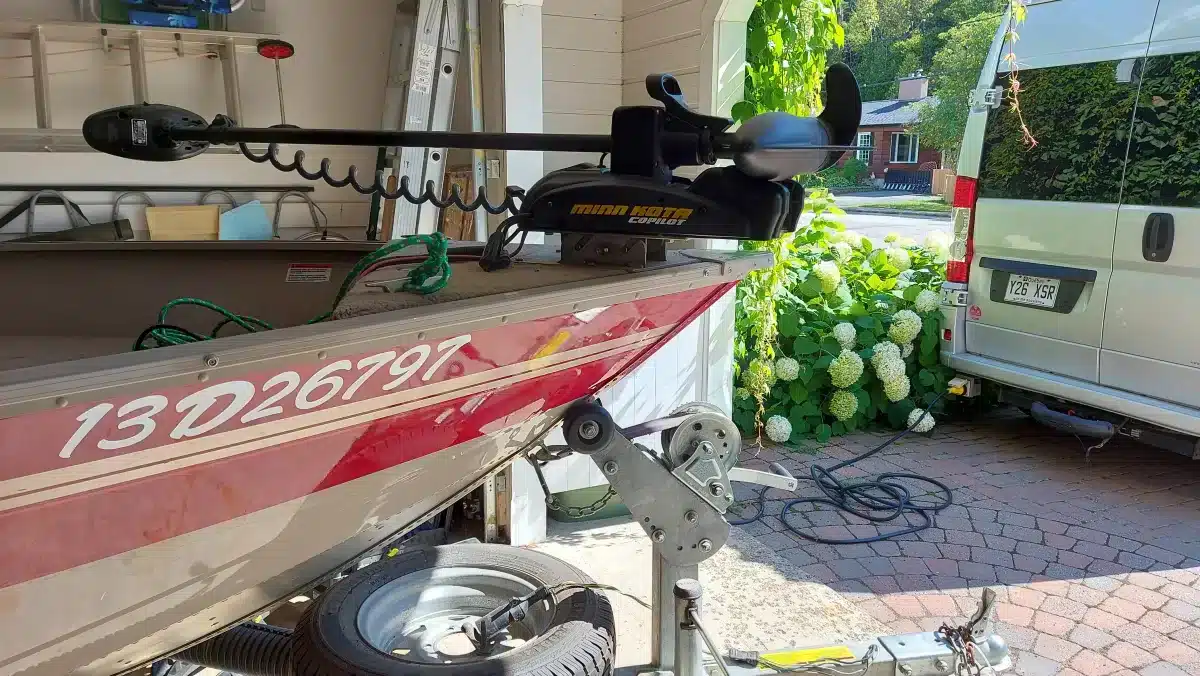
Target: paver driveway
1097,561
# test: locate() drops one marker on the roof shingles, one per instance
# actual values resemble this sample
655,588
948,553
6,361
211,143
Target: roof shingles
891,112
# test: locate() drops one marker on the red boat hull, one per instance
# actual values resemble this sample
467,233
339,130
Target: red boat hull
135,525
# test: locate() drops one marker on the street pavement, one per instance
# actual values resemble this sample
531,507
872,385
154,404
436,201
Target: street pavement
877,226
1095,556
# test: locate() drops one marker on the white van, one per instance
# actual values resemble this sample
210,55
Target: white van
1074,280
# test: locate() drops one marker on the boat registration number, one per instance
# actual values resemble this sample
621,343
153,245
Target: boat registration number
203,411
1026,290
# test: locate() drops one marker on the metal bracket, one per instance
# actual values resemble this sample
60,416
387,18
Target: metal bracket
986,98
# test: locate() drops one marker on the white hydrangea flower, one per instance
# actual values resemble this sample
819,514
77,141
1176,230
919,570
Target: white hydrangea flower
897,388
846,335
906,350
906,326
891,237
888,363
830,276
787,368
843,405
927,301
852,238
759,376
778,429
926,422
842,251
741,393
938,243
899,258
845,369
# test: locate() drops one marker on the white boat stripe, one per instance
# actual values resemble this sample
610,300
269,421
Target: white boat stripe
75,479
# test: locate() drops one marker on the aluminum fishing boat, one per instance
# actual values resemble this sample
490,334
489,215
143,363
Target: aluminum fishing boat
151,498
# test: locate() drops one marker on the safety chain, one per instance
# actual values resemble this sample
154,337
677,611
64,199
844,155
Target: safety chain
543,454
960,641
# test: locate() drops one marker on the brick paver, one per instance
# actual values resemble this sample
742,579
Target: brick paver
1097,561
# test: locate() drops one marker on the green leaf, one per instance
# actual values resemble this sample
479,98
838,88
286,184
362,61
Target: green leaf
875,283
824,362
867,246
797,391
867,338
928,359
852,424
927,378
929,344
811,288
858,310
806,409
838,428
743,110
910,293
805,345
864,400
831,346
789,325
744,419
823,433
866,322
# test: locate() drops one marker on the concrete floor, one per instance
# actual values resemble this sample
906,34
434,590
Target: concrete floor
753,599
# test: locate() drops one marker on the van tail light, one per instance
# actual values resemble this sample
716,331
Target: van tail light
962,249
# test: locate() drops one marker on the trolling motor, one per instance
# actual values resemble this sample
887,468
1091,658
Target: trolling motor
622,214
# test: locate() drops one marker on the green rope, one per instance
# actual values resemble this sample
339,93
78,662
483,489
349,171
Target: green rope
431,276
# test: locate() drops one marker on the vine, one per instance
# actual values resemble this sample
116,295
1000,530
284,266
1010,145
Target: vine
1016,15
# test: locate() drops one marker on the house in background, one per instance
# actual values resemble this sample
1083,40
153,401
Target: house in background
884,134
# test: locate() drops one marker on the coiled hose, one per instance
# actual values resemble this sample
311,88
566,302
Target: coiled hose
247,649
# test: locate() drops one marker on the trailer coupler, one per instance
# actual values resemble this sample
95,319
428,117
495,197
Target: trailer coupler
679,497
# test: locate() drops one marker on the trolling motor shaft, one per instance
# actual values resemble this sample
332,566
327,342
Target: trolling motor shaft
635,201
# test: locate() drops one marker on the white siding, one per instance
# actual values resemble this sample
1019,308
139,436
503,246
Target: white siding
336,79
661,36
581,70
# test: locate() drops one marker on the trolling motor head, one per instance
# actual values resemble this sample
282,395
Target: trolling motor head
637,196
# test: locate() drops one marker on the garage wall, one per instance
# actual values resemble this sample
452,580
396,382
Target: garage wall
661,36
581,70
336,79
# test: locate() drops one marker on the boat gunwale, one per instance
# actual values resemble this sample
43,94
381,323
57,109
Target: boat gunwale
37,388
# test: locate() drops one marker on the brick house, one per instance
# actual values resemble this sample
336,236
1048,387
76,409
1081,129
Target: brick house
884,132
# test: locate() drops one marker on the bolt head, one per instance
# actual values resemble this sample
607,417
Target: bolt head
691,516
610,467
717,490
906,669
589,430
706,545
658,535
940,664
706,448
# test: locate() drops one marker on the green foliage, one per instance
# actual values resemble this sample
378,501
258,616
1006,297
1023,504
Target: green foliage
855,170
871,292
955,73
786,50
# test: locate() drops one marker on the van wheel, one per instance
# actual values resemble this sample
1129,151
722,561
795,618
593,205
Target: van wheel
403,617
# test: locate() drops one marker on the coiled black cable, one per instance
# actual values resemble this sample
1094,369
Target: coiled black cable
511,193
879,500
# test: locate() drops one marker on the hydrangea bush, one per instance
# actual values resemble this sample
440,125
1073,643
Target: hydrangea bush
839,334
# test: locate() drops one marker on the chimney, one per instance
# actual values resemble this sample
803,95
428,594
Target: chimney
914,87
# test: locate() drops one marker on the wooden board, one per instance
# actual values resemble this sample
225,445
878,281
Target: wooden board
456,223
184,223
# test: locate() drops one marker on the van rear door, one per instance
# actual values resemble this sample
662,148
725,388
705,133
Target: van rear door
1152,322
1046,216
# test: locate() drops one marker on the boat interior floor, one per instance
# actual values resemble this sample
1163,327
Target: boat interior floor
75,300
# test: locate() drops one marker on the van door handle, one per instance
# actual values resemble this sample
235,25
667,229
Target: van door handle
1158,237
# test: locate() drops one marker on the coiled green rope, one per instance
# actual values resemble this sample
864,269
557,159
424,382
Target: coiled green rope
431,276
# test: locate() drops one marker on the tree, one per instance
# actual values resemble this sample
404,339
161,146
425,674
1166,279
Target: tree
955,73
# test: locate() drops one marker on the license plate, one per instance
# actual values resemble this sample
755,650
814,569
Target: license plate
1026,290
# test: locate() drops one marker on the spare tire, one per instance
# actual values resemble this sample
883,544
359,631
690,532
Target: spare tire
401,617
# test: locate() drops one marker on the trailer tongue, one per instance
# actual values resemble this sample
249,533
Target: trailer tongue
152,499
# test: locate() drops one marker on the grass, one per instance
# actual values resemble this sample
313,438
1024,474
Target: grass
937,206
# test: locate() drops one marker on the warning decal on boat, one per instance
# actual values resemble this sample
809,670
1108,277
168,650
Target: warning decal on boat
309,272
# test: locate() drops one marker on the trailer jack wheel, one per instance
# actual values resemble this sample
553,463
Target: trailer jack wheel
405,616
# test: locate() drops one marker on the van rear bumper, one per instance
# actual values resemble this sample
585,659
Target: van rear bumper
1139,407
